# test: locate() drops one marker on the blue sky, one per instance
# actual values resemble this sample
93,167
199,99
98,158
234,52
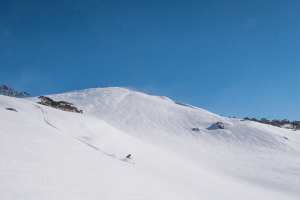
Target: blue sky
237,58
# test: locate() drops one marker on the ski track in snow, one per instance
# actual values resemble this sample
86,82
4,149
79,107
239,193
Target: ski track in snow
246,160
44,114
82,140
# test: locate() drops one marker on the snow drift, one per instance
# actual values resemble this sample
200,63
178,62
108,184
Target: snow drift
52,154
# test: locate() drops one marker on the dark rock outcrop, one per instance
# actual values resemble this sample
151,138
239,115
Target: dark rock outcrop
295,125
62,105
217,125
7,91
196,129
11,109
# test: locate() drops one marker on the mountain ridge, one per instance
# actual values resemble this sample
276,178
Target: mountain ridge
7,91
86,153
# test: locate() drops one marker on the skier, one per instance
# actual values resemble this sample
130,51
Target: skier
128,156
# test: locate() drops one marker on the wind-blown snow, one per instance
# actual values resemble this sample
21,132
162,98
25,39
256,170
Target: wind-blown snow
51,154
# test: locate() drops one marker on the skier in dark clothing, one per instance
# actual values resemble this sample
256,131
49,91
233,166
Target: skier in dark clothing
128,156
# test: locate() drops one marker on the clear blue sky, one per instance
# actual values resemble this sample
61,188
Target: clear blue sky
231,57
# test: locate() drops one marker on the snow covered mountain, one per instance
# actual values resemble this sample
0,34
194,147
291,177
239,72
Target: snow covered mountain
177,152
7,91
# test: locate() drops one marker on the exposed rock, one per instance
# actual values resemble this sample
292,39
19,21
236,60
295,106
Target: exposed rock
62,105
11,109
295,125
217,125
196,129
7,91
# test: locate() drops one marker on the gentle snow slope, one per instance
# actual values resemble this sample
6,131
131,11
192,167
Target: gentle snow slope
51,154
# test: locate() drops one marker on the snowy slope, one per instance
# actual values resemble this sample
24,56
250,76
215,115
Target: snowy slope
51,154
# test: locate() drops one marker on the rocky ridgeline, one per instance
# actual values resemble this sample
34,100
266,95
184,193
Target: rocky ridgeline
295,125
61,105
7,91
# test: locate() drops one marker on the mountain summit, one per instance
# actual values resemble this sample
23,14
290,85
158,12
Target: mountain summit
131,145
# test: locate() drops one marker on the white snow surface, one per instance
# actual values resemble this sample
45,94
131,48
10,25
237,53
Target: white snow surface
55,155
